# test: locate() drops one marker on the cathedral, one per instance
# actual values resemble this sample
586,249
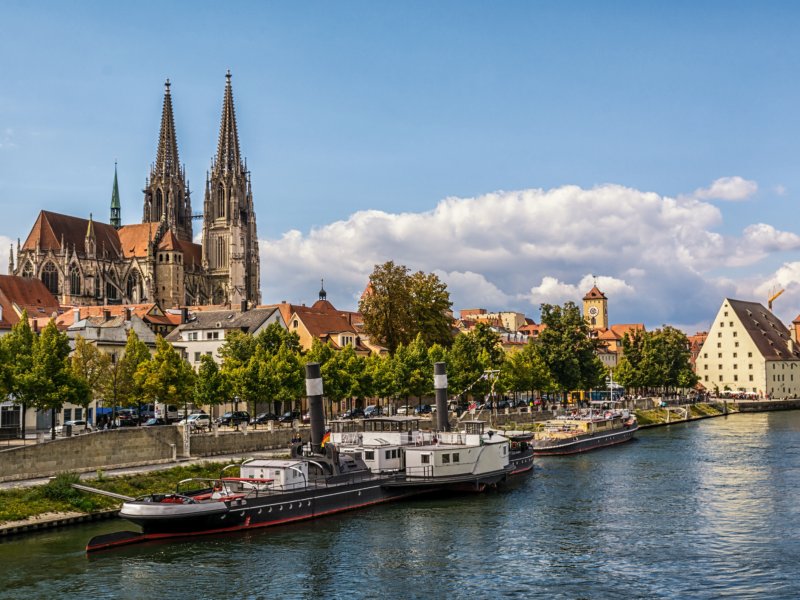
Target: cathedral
86,262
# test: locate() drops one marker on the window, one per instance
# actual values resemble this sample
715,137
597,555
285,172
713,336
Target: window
705,367
722,323
388,454
735,333
27,270
719,345
74,280
719,367
750,366
734,356
369,455
751,378
455,457
197,356
705,355
720,377
50,278
731,323
749,355
736,378
719,334
425,459
719,355
445,459
706,378
736,344
735,366
726,313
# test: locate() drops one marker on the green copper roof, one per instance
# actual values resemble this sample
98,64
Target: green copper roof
115,193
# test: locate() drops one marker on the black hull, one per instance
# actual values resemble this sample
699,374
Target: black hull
261,511
583,443
521,462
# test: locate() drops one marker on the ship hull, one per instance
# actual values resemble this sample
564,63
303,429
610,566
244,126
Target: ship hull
258,511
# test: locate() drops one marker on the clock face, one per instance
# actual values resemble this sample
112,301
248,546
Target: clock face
593,311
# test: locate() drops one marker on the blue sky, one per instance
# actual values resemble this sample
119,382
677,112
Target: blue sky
351,107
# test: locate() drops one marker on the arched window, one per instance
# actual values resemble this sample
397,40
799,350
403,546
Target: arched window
220,201
133,287
111,286
159,205
50,277
74,280
27,270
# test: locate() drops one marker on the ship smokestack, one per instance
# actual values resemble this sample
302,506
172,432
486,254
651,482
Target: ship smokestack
440,385
314,393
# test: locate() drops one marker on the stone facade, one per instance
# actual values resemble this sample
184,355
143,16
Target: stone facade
86,262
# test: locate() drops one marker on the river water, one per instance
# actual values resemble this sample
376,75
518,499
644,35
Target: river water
702,510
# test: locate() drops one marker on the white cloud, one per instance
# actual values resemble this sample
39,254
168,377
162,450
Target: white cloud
654,256
728,188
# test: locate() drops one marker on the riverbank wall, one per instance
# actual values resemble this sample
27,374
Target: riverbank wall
130,447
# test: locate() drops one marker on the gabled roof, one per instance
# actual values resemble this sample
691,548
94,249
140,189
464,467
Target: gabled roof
621,329
770,336
248,321
51,228
593,294
192,253
24,293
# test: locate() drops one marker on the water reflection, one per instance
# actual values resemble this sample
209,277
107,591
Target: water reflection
704,510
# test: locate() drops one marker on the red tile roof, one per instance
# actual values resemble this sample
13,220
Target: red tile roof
24,293
594,293
51,228
134,239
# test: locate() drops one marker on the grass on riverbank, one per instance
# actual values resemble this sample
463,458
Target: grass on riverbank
58,496
657,416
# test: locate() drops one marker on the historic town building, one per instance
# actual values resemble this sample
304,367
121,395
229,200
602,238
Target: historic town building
748,349
86,262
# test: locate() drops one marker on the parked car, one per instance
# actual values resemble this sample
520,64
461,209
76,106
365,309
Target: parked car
127,417
289,417
77,426
353,413
404,410
234,418
264,417
423,409
153,422
197,421
373,410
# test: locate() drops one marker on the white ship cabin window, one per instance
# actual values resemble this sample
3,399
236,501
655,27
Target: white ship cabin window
455,457
369,455
425,459
505,450
445,459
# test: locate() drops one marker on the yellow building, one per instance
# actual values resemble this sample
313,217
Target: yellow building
595,309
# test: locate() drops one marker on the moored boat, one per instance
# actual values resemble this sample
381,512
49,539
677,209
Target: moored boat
583,432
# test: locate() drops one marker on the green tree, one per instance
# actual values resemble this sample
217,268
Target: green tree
274,337
287,369
51,376
93,366
128,388
18,349
430,309
398,306
379,370
413,371
210,386
466,369
166,378
568,350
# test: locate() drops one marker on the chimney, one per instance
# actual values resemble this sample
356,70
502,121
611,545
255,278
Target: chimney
244,305
791,345
76,312
106,315
184,315
127,313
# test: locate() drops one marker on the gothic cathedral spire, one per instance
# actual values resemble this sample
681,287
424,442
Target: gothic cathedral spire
166,196
230,241
116,221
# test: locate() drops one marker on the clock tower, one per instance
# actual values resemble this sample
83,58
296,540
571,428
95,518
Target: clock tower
595,309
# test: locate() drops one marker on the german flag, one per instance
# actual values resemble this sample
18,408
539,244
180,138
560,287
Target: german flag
325,439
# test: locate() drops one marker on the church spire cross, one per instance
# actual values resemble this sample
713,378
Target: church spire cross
228,146
167,162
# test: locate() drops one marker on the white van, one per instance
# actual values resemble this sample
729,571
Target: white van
168,412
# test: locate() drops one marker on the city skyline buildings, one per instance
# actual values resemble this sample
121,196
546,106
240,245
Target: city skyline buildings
652,147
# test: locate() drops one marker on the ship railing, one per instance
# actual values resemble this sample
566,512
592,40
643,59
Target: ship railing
421,472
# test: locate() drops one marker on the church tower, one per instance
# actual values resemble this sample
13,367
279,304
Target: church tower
595,309
166,193
116,220
230,242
